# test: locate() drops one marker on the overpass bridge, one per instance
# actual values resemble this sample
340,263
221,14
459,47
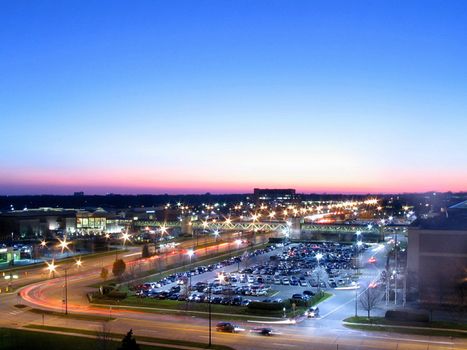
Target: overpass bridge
294,228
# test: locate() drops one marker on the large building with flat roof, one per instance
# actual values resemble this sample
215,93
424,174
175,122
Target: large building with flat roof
281,195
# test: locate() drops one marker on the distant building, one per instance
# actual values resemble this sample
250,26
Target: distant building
78,194
35,223
275,195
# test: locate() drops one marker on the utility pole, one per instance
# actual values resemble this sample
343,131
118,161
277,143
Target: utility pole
388,280
356,300
66,291
209,311
395,268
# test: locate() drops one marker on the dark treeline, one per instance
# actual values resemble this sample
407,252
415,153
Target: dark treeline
121,201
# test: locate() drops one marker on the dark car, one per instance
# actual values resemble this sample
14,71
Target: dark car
298,297
262,331
228,327
308,292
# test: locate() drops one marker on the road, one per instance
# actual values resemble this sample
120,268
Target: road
324,333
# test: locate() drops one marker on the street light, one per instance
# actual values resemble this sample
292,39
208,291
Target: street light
319,256
63,244
51,267
190,253
356,297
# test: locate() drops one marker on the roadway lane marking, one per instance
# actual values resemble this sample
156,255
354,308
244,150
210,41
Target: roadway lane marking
127,255
412,340
285,345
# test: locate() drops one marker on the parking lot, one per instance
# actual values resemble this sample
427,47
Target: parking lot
274,274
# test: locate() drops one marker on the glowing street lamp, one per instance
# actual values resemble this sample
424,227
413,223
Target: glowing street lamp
190,253
63,244
43,244
79,263
272,214
51,267
125,237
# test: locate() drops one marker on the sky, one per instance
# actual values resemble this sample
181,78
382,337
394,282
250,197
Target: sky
224,96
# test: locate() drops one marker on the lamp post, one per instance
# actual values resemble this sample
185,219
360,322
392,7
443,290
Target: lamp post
66,290
190,253
319,256
359,257
209,312
356,297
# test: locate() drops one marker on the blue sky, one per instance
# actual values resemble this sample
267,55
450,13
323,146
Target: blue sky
224,96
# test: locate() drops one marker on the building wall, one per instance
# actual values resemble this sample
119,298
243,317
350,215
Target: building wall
437,265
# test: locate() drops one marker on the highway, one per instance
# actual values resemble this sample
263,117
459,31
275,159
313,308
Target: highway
324,333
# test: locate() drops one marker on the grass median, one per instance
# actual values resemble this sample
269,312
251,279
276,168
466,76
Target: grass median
82,317
13,339
435,328
162,341
201,309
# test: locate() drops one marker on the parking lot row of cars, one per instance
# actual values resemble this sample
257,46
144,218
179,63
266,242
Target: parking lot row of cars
289,272
154,289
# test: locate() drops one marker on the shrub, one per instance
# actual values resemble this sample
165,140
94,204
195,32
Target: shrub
259,305
395,315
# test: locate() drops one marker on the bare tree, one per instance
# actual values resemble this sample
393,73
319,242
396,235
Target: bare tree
104,340
370,299
320,275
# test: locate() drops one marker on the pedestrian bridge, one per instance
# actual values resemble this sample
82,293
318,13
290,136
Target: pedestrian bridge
278,226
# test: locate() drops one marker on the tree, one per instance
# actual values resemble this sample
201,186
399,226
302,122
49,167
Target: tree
145,252
104,273
370,299
118,268
320,275
129,342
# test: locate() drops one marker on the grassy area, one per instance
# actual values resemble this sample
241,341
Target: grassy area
427,332
181,306
384,321
14,339
72,316
158,306
383,325
138,338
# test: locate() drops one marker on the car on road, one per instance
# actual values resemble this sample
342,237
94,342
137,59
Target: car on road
312,312
228,327
262,330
